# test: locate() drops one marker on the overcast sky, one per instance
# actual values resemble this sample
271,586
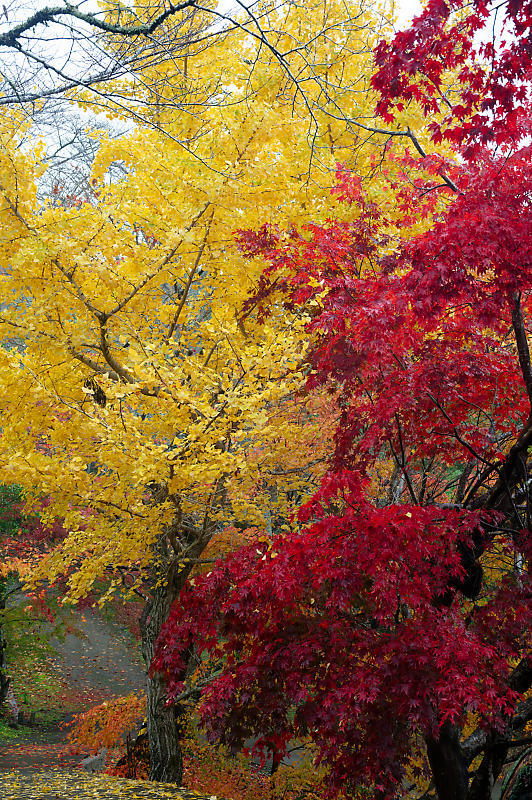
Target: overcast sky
406,10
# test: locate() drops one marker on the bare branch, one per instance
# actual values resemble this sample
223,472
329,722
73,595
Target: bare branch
50,14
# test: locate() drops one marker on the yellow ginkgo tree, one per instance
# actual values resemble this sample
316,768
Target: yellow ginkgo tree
132,395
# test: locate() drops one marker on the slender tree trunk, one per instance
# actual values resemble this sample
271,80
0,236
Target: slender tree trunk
165,724
4,679
447,764
164,731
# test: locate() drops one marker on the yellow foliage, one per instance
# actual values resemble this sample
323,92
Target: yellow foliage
60,783
134,398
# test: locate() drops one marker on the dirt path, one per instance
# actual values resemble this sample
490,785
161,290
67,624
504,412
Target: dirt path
98,665
102,662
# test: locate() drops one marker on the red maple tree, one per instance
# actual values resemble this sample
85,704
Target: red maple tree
379,619
382,624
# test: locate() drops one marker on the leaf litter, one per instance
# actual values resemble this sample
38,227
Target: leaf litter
63,785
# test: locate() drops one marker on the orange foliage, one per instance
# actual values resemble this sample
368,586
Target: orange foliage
214,771
107,724
208,769
229,539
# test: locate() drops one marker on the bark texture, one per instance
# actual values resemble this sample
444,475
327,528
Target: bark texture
447,764
170,572
166,758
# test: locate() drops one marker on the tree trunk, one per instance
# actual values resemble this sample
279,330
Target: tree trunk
4,678
488,771
165,724
447,764
164,735
170,571
164,731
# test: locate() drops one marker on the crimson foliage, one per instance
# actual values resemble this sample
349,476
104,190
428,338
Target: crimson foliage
487,47
384,621
374,620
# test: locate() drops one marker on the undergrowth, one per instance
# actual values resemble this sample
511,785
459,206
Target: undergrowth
9,734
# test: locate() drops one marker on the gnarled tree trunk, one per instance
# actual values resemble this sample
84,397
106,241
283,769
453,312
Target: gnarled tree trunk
165,724
175,553
447,764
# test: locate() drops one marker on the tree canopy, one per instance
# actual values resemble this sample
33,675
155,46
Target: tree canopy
392,625
135,398
276,319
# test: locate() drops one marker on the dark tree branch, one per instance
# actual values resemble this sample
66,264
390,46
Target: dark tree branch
50,14
447,764
523,351
482,740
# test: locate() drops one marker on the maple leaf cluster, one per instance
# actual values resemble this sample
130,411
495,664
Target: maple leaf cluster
454,61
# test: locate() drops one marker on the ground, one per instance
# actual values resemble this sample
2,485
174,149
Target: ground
100,664
68,785
96,665
103,661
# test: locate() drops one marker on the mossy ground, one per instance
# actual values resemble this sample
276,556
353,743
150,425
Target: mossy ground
9,734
